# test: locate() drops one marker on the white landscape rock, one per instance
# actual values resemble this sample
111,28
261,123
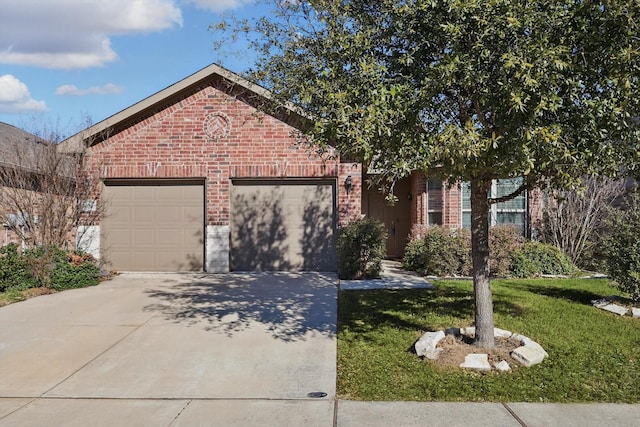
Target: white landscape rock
529,355
635,312
426,345
617,309
478,362
534,345
502,366
501,333
523,339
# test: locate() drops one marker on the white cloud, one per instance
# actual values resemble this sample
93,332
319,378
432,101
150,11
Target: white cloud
16,98
216,5
73,90
76,33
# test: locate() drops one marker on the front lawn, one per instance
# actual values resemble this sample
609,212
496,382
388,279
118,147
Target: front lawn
594,356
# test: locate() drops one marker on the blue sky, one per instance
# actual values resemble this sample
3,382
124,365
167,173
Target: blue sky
62,61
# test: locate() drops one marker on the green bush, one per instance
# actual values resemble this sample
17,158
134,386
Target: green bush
73,270
439,252
46,267
504,241
15,271
621,246
535,258
361,248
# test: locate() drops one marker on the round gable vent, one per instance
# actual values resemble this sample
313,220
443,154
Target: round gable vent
217,125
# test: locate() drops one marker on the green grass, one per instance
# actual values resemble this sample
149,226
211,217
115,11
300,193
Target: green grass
11,296
594,356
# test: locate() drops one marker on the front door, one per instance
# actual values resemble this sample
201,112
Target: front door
396,218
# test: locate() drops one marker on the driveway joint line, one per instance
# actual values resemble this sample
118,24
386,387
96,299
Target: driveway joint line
31,400
514,415
173,421
96,357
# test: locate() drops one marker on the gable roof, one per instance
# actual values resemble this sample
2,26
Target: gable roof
169,96
19,148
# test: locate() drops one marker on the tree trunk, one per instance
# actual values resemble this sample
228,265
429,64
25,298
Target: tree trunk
480,256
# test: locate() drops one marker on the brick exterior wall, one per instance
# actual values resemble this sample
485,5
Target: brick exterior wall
419,195
452,206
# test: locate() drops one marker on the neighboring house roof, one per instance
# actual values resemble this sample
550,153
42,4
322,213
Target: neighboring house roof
25,152
173,94
19,148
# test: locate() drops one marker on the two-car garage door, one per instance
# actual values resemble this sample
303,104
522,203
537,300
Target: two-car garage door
274,225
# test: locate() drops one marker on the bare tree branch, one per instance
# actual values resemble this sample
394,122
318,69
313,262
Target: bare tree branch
45,194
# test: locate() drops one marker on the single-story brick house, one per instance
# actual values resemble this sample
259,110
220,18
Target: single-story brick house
196,177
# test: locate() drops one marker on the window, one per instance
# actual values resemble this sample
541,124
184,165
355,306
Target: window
466,205
434,201
511,212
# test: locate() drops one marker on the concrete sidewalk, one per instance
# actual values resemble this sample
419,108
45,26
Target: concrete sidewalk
212,350
308,413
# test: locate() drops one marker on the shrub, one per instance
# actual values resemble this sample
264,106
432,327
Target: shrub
439,252
621,246
535,258
504,241
15,272
46,267
72,270
68,275
361,248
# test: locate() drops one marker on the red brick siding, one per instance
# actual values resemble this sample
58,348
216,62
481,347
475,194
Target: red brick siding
452,206
349,204
419,204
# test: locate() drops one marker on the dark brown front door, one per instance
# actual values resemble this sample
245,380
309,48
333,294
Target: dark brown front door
396,218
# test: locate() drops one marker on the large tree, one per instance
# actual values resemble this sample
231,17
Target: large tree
470,90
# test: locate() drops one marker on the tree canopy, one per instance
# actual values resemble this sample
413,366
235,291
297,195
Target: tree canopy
470,90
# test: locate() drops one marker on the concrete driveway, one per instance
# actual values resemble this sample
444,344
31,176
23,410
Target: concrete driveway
171,350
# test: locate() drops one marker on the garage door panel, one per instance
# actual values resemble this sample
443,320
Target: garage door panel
143,238
170,215
283,226
153,226
143,215
169,236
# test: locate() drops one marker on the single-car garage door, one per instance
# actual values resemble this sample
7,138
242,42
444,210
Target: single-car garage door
283,225
153,225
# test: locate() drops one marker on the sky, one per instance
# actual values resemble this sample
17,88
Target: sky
63,62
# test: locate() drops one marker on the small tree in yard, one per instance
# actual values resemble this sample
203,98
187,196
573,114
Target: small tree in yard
45,194
361,248
621,245
573,217
470,90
